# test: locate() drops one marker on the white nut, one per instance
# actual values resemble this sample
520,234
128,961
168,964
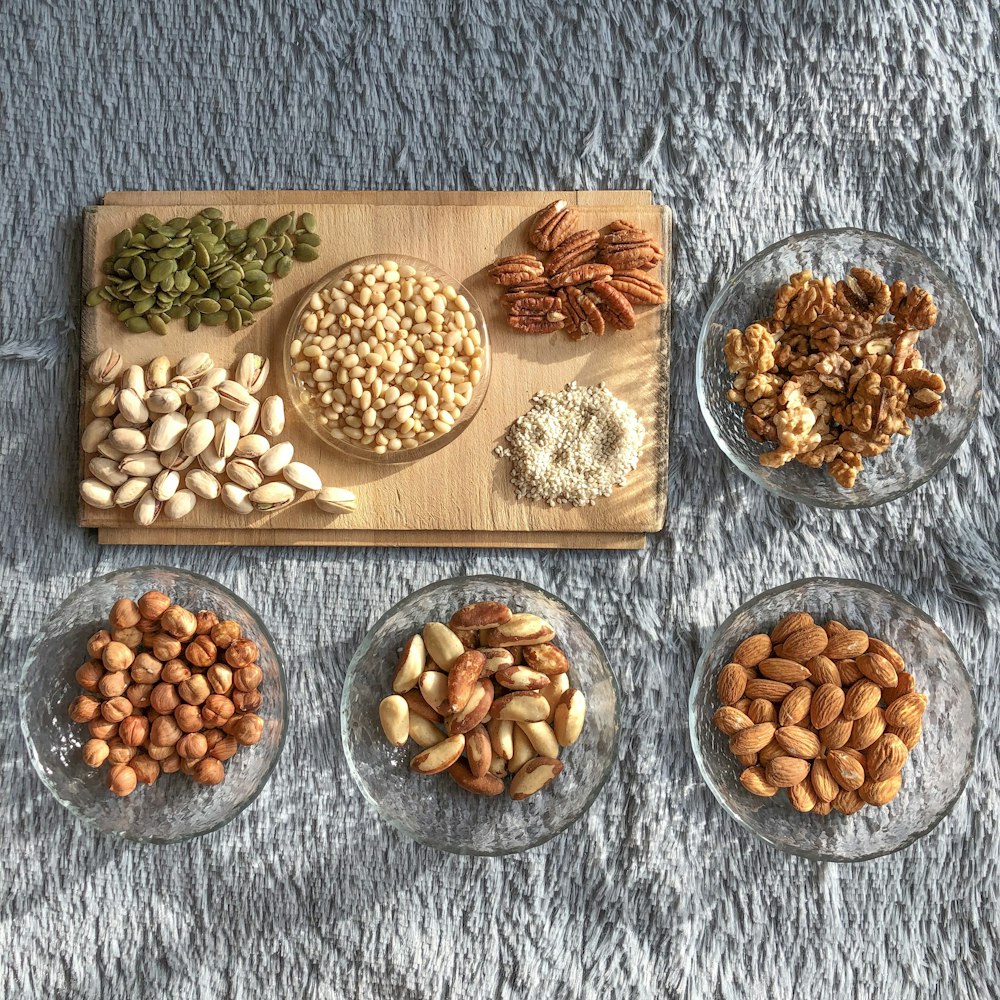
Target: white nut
179,505
134,378
236,498
245,473
251,446
94,493
203,484
198,436
202,399
129,494
157,372
105,403
163,400
167,431
252,371
94,433
334,500
212,378
569,717
272,416
246,420
272,496
147,510
233,396
443,646
165,485
302,477
211,461
175,458
194,366
127,439
143,463
106,469
394,714
131,406
227,436
275,459
106,366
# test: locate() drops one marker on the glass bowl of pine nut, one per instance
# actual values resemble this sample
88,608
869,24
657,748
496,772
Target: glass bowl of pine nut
387,359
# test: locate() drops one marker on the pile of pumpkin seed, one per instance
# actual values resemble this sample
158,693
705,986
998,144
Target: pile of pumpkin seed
205,269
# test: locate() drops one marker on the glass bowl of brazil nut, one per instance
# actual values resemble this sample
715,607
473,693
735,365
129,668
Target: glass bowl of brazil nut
839,368
387,359
160,807
867,749
437,807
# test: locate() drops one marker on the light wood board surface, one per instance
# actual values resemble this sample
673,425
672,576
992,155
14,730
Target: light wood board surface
460,495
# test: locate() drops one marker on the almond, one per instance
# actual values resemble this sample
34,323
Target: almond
394,714
862,697
443,646
763,711
796,706
570,714
522,630
877,669
906,711
905,684
487,784
768,690
439,757
475,711
462,679
886,651
482,614
846,769
826,705
847,802
823,782
798,742
867,729
501,732
409,666
746,759
772,750
434,688
521,706
729,720
833,627
752,739
847,645
496,659
803,645
541,737
803,796
881,793
910,735
787,671
478,751
836,734
849,672
822,670
418,705
783,772
752,650
534,776
754,780
546,659
885,757
822,808
731,684
521,678
794,622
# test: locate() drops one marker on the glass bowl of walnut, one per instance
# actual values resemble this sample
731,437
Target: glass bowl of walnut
153,704
839,368
863,745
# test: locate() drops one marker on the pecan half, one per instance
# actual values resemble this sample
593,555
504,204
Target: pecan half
639,288
536,314
537,286
516,270
617,309
537,305
578,248
581,275
552,225
583,316
629,250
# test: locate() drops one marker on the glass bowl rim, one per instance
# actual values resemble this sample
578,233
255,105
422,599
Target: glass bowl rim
775,488
612,759
700,675
439,443
127,834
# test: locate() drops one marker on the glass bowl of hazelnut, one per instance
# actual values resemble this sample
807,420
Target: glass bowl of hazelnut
153,704
839,368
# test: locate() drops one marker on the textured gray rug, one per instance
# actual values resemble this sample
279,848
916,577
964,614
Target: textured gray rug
750,125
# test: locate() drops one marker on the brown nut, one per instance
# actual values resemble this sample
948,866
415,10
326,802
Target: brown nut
246,701
192,746
165,732
152,604
178,621
117,656
124,613
122,780
546,659
175,671
242,653
113,685
205,622
165,647
220,678
101,729
225,748
130,637
200,651
116,709
97,642
171,764
164,698
146,769
146,669
133,730
194,690
225,633
522,630
118,752
247,729
148,627
248,678
209,771
139,694
462,679
188,718
95,752
482,614
217,710
158,753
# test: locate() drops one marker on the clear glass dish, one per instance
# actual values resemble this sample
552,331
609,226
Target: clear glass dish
938,767
951,347
174,808
307,408
434,810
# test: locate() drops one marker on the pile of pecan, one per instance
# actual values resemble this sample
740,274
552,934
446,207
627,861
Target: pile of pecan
587,283
835,372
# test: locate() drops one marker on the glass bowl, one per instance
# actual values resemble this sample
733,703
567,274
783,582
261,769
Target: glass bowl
937,769
434,810
951,347
308,408
174,808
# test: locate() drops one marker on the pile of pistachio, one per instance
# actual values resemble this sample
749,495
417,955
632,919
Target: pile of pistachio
204,269
163,436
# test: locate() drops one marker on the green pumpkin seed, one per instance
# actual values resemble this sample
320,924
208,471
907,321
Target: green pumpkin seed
94,296
305,253
308,239
182,281
228,278
247,317
206,305
211,213
226,303
178,311
124,312
200,276
193,319
256,230
236,237
157,325
121,240
308,222
143,305
157,240
234,320
159,271
214,319
270,262
150,221
138,268
258,288
137,324
283,266
259,305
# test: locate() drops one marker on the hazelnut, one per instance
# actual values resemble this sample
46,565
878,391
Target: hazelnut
97,642
248,678
159,753
152,604
187,766
118,752
225,749
242,653
148,627
124,613
193,746
207,620
175,671
209,772
117,656
165,732
188,718
178,621
139,694
83,708
226,633
212,736
101,729
95,752
220,678
133,730
130,637
89,674
165,647
247,729
164,698
217,710
121,780
171,764
146,769
194,690
247,701
200,651
113,685
116,709
146,669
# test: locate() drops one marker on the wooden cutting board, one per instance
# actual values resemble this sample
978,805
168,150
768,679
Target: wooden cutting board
478,507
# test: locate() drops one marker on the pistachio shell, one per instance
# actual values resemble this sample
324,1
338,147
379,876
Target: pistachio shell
272,416
105,403
181,384
175,458
227,436
94,493
131,406
252,372
164,399
301,476
272,496
198,436
275,459
179,505
167,431
211,461
134,378
252,446
245,473
108,450
106,366
194,366
236,498
128,439
334,500
246,420
94,433
147,510
106,469
202,399
145,463
157,372
131,491
165,485
212,378
233,396
203,484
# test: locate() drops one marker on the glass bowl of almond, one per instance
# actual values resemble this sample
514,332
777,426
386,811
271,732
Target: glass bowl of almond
834,720
839,368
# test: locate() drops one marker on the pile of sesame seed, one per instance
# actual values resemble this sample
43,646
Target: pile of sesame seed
572,446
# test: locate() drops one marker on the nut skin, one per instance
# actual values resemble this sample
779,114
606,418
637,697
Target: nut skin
152,604
113,685
247,729
200,652
171,764
130,637
116,709
134,730
165,732
147,626
178,622
122,780
225,633
95,752
247,701
101,729
159,753
118,752
124,613
139,694
164,698
205,622
97,642
165,647
241,653
146,769
194,690
192,746
225,749
175,671
220,678
146,669
248,678
217,710
209,772
188,718
117,656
